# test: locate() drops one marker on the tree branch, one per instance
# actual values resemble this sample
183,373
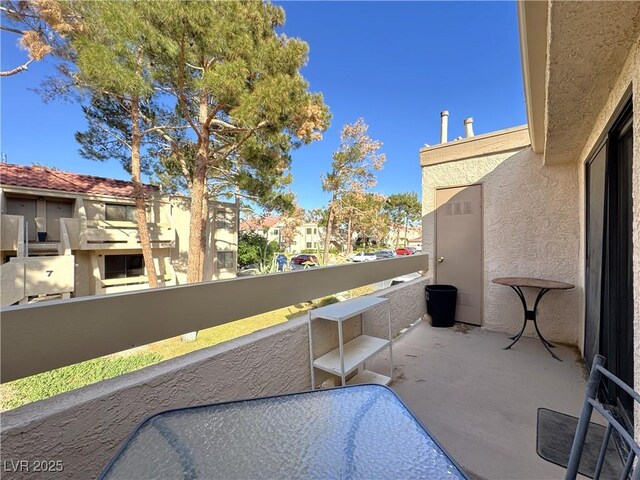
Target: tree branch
173,145
241,142
12,30
19,69
161,128
120,139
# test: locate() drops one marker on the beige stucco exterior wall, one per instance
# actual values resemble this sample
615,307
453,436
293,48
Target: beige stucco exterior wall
217,239
530,228
84,428
90,242
300,239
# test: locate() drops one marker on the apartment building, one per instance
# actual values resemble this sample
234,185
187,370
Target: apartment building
64,234
307,235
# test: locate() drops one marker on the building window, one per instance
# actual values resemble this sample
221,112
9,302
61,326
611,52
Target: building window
315,230
120,213
274,232
308,231
123,266
315,244
225,260
308,244
225,220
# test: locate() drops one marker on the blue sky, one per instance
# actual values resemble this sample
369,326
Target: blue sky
396,64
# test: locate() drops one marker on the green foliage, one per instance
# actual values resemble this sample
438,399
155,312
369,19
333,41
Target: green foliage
254,249
257,108
323,302
272,249
222,102
402,207
47,384
403,210
309,250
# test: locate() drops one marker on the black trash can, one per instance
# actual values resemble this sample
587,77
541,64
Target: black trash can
441,304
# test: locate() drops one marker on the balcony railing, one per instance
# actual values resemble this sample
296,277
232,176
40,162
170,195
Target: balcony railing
114,233
43,337
12,233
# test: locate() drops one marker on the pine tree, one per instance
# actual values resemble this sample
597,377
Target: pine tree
236,86
352,172
113,68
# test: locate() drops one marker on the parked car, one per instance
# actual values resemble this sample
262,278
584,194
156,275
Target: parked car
385,254
413,250
364,257
403,251
303,261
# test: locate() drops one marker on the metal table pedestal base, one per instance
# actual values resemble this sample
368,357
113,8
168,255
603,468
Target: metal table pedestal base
531,315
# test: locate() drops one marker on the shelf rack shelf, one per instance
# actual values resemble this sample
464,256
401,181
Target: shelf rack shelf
348,357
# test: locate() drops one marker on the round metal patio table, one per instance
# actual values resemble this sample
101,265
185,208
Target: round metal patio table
516,284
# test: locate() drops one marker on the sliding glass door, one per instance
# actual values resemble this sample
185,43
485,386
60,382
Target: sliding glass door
609,281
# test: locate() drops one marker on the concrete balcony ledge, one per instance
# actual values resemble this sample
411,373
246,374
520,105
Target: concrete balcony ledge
84,428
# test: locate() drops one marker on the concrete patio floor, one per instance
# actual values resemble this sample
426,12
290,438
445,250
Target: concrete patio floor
480,401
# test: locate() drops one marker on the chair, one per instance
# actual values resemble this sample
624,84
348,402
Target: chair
590,402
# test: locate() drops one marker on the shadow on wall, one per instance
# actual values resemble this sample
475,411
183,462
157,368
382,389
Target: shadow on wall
531,228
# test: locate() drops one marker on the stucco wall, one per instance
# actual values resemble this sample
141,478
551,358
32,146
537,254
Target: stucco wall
217,239
83,428
530,227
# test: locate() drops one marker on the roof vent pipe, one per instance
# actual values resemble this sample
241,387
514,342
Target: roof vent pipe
444,125
468,127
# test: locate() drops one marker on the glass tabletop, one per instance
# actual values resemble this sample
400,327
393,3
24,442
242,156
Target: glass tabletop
361,431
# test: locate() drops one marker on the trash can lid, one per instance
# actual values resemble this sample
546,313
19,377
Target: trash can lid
440,288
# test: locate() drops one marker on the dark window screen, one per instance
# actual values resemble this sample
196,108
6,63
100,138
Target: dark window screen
120,213
123,266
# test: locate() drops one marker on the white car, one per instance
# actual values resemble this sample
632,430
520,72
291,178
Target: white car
364,257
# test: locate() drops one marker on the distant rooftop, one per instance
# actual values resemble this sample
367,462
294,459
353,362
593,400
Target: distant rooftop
50,179
258,223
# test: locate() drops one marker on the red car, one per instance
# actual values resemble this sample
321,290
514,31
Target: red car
304,261
403,251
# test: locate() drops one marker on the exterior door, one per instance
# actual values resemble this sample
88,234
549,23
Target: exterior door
609,279
459,248
57,209
27,207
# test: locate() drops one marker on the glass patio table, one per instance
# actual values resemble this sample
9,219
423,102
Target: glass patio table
361,431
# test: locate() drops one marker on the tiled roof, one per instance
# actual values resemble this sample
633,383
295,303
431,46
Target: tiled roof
258,223
40,177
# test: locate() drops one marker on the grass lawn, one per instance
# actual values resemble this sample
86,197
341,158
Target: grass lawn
174,347
47,384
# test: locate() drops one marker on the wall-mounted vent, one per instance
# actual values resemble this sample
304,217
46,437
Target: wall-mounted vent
457,208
